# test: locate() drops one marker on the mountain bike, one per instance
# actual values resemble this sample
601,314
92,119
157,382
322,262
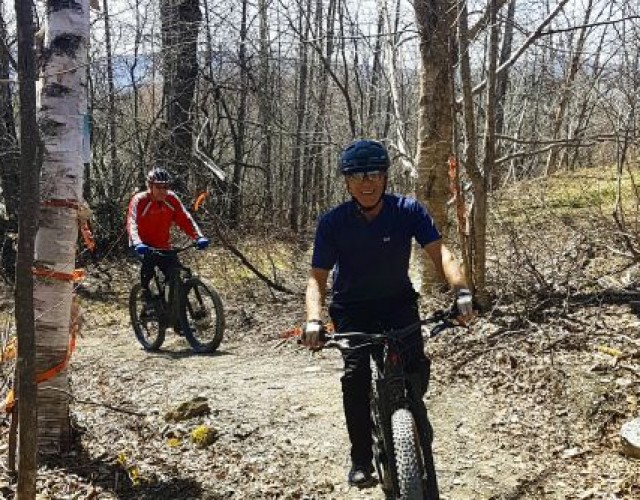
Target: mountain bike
182,301
401,431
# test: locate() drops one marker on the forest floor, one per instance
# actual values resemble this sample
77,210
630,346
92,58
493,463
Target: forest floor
528,403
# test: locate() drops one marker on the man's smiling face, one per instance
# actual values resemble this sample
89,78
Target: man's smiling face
367,188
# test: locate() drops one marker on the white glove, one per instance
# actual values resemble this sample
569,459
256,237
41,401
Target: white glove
464,301
312,333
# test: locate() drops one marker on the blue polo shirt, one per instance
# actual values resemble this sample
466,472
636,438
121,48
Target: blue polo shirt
371,258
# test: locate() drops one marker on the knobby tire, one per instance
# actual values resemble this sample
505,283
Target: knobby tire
202,315
142,326
407,455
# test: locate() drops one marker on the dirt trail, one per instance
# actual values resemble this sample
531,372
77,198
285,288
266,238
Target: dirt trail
279,417
517,413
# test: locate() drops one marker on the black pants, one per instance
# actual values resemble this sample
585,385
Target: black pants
166,263
373,317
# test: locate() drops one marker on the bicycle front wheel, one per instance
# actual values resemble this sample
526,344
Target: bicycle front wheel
148,325
202,315
408,461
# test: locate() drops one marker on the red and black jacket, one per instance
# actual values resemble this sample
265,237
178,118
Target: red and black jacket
150,221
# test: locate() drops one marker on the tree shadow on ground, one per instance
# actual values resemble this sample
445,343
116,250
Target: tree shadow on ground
106,473
187,353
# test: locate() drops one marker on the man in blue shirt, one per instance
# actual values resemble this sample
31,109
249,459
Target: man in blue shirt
367,242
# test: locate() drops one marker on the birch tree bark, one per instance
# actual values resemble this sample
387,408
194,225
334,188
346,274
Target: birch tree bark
62,104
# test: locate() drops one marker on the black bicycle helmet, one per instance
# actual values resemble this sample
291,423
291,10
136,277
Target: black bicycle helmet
158,175
364,155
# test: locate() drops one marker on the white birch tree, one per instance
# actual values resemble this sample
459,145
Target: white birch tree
62,104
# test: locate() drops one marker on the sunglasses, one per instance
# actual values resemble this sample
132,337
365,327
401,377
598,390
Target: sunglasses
374,175
163,187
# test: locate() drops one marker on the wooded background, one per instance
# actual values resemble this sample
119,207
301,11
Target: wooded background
269,92
252,103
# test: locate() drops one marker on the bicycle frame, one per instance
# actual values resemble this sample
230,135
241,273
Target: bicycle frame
181,300
393,389
169,287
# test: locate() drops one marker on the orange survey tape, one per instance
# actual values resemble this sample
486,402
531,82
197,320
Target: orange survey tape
199,200
87,236
47,375
457,195
75,275
62,204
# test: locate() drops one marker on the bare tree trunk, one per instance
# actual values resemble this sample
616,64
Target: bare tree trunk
469,122
62,106
399,120
561,109
372,126
139,143
477,251
180,26
235,206
25,323
436,116
319,190
8,138
480,190
301,106
265,109
503,81
116,176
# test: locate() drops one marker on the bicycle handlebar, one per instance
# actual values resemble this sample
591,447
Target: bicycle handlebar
170,251
444,319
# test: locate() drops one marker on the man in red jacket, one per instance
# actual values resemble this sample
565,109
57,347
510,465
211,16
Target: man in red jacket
149,219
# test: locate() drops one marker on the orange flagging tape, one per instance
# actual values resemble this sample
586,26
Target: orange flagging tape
201,197
49,374
87,236
62,204
456,195
75,275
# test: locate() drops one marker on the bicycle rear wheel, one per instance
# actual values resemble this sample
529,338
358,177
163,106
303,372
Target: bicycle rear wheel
202,315
148,326
408,460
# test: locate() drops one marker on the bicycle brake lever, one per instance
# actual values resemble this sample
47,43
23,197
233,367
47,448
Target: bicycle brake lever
339,343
